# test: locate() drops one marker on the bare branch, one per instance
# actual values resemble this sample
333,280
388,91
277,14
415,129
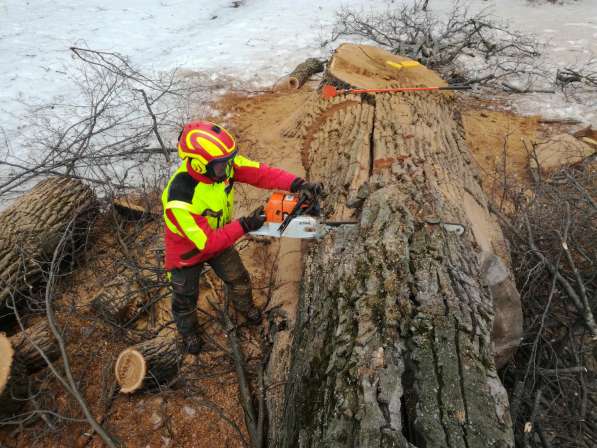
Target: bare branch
71,387
464,47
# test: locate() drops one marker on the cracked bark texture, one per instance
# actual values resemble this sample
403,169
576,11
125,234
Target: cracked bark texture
392,344
33,225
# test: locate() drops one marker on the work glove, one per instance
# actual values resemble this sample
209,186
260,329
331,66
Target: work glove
310,190
254,221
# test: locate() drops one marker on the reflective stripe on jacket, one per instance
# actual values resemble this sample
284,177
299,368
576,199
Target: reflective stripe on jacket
198,212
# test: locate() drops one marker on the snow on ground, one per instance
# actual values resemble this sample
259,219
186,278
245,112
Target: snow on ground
256,43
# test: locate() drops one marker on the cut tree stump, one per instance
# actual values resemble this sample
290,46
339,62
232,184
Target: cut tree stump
25,341
120,300
112,306
392,344
32,227
302,73
147,364
13,380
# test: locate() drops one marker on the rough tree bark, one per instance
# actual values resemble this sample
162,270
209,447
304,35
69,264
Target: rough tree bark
25,341
147,364
32,227
392,342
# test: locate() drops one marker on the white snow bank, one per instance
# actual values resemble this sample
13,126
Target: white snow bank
256,43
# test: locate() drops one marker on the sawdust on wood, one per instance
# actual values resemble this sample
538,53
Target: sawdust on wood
367,67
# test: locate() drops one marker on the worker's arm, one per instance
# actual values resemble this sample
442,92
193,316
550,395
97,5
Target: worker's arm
261,175
196,229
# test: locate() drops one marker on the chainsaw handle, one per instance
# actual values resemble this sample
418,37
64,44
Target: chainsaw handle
295,212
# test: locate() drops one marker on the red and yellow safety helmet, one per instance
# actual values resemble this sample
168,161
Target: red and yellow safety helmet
206,143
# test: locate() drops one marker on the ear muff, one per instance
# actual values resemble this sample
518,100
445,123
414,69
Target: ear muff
198,166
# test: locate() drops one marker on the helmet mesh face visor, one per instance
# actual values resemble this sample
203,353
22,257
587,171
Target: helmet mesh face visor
220,169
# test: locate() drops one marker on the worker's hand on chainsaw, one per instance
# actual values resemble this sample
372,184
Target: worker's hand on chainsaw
254,221
310,189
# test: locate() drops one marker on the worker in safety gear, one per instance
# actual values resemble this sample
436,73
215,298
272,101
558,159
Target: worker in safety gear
198,207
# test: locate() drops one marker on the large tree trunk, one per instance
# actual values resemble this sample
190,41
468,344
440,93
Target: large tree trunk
25,342
392,342
33,226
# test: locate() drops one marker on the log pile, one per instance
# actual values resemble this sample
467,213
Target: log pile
33,226
393,339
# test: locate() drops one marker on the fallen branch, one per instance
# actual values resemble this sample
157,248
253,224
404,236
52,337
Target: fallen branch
442,41
154,125
69,383
578,303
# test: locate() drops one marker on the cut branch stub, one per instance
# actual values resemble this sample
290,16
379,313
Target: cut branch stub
147,364
392,343
13,380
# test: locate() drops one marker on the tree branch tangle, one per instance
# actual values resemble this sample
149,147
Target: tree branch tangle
393,337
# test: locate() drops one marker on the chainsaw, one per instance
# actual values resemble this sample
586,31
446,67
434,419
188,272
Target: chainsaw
294,216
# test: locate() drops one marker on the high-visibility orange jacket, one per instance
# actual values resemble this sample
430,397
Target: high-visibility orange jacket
198,212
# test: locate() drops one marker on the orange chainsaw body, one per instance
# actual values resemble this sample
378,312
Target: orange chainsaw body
279,206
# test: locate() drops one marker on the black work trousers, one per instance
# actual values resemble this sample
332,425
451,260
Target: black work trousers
185,288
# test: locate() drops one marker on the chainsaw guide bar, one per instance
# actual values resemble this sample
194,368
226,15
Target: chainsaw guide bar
305,227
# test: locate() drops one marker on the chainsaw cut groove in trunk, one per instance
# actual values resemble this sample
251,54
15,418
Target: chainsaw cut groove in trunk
392,344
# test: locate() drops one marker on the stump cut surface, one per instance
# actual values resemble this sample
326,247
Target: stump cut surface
130,370
366,67
6,357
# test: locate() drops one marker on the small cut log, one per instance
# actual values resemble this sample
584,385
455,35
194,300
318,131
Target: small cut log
25,342
147,364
